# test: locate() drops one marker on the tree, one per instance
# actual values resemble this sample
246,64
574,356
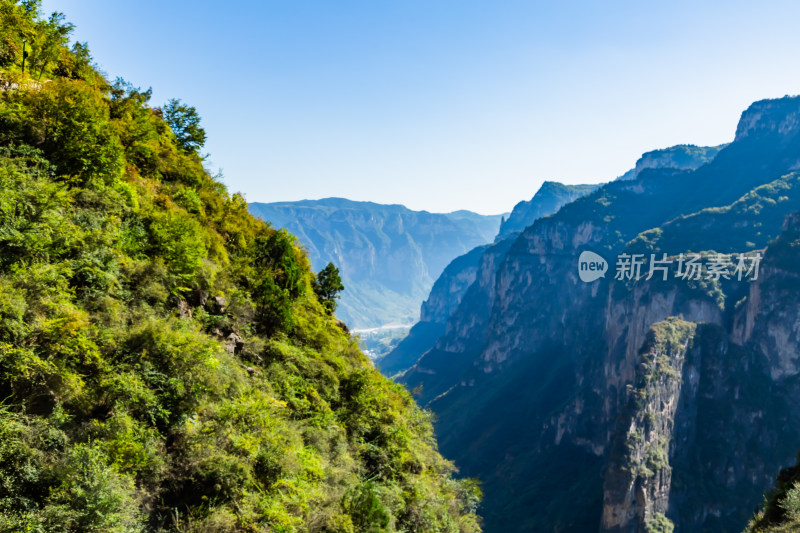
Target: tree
327,287
185,123
51,36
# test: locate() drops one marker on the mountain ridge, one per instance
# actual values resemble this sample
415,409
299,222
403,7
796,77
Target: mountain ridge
388,255
528,324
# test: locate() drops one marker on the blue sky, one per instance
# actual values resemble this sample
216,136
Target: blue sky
444,104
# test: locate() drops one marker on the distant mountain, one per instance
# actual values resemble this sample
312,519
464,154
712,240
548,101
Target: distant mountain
443,300
633,406
450,287
388,255
681,156
547,200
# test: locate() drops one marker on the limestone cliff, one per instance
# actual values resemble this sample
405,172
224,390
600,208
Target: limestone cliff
547,200
534,378
682,156
638,478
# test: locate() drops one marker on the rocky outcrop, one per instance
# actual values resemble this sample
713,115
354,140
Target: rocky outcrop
638,477
547,200
769,319
769,117
450,288
682,157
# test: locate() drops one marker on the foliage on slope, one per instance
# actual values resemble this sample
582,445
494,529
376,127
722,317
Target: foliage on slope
781,509
165,364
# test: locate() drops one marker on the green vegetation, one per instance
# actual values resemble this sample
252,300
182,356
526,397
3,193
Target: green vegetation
659,524
781,509
658,372
327,286
165,363
747,224
185,123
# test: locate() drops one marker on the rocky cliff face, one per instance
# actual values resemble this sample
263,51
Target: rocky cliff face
450,288
547,200
769,322
682,157
447,293
554,390
638,478
444,297
769,117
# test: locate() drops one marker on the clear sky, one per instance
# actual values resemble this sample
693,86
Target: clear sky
444,104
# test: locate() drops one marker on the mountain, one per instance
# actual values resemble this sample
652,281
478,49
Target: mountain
165,361
633,406
547,200
450,287
388,255
681,156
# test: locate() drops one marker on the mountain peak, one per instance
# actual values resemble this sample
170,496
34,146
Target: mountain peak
680,156
765,117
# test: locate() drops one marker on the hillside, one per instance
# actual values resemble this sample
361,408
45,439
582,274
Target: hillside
388,255
633,405
165,362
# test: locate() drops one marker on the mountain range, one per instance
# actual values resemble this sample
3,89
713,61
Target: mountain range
451,286
628,405
388,255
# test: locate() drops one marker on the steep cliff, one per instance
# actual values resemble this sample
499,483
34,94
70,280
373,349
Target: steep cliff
450,287
547,200
682,156
535,376
638,478
444,297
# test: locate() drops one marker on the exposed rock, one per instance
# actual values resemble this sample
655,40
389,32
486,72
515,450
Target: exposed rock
638,477
547,200
197,298
184,311
530,381
234,344
682,156
216,305
768,117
